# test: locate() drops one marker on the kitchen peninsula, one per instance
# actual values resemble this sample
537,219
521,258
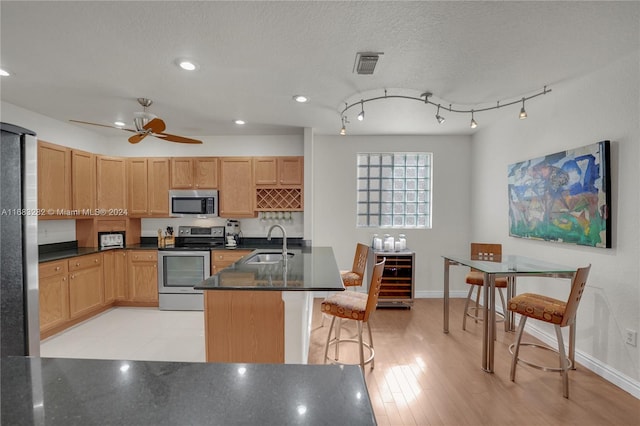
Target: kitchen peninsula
259,309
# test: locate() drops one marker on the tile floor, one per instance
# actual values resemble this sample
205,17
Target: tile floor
134,334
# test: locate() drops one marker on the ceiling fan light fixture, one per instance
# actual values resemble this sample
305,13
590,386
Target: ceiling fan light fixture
119,123
239,122
4,73
300,98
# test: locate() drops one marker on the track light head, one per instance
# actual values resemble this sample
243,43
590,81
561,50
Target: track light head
438,116
523,113
361,115
473,123
343,131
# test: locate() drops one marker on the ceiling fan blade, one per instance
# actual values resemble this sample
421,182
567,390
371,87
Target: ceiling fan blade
137,138
156,126
175,138
103,125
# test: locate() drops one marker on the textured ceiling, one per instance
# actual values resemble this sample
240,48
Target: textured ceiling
90,60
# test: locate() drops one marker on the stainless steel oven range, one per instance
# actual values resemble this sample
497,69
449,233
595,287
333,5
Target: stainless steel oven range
186,264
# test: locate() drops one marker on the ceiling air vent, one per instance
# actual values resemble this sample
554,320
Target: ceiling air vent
366,62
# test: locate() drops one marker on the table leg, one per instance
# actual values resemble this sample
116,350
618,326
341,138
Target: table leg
491,302
485,323
447,263
510,316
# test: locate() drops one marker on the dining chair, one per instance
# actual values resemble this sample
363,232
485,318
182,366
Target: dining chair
554,311
353,306
489,252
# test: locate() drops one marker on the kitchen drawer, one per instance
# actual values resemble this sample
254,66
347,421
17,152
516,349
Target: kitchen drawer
50,269
82,262
228,256
144,255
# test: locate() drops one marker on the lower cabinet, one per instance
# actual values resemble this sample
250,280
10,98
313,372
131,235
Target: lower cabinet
86,285
115,275
54,295
142,269
220,259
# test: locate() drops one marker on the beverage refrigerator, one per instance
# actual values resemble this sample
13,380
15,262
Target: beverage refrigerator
19,319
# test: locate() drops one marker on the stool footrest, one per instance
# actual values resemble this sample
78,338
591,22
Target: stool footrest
540,367
365,344
499,315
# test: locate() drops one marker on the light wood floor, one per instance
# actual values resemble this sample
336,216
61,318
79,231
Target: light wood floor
425,377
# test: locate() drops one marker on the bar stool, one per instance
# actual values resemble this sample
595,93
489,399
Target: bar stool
353,306
355,276
556,312
489,252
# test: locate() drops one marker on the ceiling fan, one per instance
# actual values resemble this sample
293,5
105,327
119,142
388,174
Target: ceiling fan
146,124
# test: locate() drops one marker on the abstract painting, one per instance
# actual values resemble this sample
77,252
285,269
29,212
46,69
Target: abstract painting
563,197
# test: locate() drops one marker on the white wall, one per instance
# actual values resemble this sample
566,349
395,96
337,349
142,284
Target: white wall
601,106
334,202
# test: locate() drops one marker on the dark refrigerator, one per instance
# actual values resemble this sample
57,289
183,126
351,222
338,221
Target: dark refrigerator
19,326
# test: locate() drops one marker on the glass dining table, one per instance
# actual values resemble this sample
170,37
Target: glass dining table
509,266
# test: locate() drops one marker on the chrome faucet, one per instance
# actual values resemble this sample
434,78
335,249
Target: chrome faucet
284,238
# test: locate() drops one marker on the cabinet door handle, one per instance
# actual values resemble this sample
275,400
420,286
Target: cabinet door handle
77,263
95,260
57,268
64,278
72,276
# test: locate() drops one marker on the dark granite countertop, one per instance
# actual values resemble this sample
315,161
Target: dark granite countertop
53,391
309,269
69,249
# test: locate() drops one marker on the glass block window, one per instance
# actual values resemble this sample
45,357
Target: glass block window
394,189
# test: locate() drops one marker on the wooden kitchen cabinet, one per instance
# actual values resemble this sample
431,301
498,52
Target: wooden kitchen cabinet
138,186
148,186
111,175
278,171
278,183
194,173
158,190
142,269
237,192
220,259
83,181
53,295
86,285
54,177
114,263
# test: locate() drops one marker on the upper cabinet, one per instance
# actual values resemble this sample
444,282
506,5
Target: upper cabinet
54,177
83,180
112,184
148,186
236,187
278,171
278,183
194,173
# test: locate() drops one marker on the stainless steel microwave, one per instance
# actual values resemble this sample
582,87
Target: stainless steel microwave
199,203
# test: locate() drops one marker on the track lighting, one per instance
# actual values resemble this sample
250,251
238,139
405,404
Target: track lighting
343,131
438,116
424,97
361,115
523,113
474,123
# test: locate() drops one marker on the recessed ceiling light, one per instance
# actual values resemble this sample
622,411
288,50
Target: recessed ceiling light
119,124
239,122
187,64
4,73
300,98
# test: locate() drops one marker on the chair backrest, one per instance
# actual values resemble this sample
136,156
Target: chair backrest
374,289
360,259
486,250
577,287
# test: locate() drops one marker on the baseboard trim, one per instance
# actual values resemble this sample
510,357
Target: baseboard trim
608,373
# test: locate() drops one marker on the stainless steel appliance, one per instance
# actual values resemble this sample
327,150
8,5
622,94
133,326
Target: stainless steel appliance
233,233
111,240
199,203
186,264
19,310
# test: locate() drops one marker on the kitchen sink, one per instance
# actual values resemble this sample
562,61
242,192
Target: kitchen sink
266,258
